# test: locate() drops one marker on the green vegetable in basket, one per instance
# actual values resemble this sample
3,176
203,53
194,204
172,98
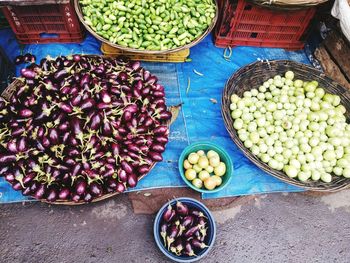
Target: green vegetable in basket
152,25
294,126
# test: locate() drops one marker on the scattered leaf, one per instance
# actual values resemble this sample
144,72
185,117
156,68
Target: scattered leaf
213,100
227,57
188,85
174,112
147,194
198,73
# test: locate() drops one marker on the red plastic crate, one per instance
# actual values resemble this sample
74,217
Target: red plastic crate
44,23
245,24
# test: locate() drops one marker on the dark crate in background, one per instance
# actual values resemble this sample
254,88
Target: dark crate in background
244,24
44,23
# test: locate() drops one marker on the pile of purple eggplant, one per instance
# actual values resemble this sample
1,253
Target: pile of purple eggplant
184,230
79,127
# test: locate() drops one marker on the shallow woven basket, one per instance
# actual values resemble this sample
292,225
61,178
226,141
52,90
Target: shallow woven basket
134,50
252,76
8,92
288,4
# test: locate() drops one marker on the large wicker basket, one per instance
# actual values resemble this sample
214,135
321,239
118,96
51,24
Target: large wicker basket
148,52
252,76
288,4
8,92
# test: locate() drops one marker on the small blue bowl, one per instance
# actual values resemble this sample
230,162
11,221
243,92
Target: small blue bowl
206,146
211,231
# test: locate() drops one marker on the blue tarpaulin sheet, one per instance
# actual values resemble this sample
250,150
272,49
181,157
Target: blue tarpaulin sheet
199,118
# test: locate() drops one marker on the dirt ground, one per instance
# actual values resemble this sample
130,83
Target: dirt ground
269,228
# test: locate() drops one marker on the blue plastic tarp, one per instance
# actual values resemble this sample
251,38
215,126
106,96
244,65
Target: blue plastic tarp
199,119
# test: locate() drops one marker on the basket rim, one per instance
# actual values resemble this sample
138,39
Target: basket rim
8,91
323,187
154,52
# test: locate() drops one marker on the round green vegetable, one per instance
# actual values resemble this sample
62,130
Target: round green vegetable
295,126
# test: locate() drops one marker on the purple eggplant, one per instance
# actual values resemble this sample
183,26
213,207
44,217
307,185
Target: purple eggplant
19,60
161,139
52,195
76,100
61,74
26,191
25,113
105,97
165,115
28,178
135,65
131,108
123,76
53,135
111,184
120,187
76,169
17,186
80,187
191,231
28,74
109,170
87,104
85,80
122,175
189,250
181,209
160,130
76,58
107,129
127,167
7,158
157,148
65,107
158,94
96,189
132,180
12,146
40,192
173,231
88,198
45,142
69,161
169,214
10,177
76,198
143,169
95,121
76,125
155,156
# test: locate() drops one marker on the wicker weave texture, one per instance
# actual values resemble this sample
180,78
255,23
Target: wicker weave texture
9,91
146,52
252,76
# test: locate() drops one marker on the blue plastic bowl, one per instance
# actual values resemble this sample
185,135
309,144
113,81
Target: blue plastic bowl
206,146
211,231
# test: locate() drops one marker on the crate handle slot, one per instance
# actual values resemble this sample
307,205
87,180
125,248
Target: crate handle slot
51,35
253,35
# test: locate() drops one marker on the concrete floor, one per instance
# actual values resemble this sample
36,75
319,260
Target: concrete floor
270,228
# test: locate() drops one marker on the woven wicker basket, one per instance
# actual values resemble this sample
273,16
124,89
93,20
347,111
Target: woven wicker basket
253,75
288,4
8,92
146,52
